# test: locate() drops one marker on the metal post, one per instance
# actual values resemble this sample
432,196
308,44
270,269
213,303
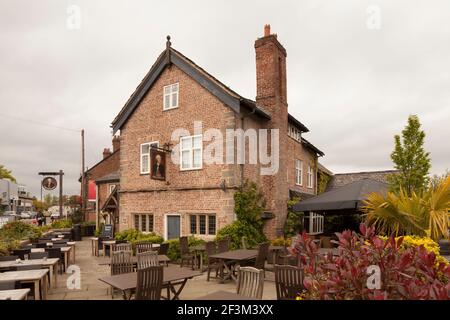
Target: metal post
61,192
83,179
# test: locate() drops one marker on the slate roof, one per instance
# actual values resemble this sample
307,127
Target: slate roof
342,179
113,176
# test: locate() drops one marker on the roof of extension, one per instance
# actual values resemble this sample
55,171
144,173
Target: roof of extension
110,177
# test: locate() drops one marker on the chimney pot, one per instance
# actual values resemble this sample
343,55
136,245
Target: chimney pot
106,152
116,143
267,30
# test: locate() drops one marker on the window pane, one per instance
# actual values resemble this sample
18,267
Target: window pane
145,148
145,163
197,158
167,102
175,87
202,224
186,143
193,223
136,222
174,99
212,225
144,223
167,90
198,142
185,161
150,223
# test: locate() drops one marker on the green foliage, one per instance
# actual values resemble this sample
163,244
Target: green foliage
424,214
6,174
293,224
410,159
134,236
249,204
286,242
6,246
322,183
174,253
62,224
239,229
18,230
77,217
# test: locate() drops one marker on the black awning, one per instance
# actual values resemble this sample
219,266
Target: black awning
350,196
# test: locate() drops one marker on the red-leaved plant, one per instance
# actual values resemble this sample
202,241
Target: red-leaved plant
411,273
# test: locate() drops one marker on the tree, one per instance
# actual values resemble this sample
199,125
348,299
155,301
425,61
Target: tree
6,174
411,159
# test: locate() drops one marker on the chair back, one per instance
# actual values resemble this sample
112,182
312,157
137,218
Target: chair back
8,258
250,282
147,259
40,245
53,252
8,285
288,282
149,283
263,250
122,247
21,253
210,248
184,245
38,255
163,248
223,245
121,262
143,247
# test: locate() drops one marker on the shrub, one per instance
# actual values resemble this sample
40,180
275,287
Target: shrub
281,242
62,224
134,236
174,247
18,230
239,229
249,204
406,273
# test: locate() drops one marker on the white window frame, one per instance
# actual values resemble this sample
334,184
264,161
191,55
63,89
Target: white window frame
309,180
315,223
170,96
298,172
146,154
191,153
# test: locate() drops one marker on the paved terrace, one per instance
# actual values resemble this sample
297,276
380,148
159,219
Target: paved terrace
93,289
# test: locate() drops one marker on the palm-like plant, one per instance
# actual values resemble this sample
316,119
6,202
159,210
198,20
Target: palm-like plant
425,213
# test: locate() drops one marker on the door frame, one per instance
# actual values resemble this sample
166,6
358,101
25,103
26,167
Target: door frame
166,229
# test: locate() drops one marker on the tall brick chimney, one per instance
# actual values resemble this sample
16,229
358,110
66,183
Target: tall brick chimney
116,143
271,94
106,152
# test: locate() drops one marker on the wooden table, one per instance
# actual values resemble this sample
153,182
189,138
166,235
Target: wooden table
325,251
17,294
107,243
107,261
173,275
94,246
198,251
29,276
231,260
65,250
50,263
224,295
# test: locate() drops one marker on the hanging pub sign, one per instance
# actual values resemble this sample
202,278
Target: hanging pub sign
49,183
157,164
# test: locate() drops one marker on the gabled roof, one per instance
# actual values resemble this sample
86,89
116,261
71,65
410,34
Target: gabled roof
350,196
110,177
210,83
297,123
309,145
341,179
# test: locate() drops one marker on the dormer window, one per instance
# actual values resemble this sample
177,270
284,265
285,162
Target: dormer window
171,96
294,133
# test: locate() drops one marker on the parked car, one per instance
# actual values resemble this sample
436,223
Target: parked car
55,215
25,215
10,213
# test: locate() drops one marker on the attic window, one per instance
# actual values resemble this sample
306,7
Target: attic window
171,96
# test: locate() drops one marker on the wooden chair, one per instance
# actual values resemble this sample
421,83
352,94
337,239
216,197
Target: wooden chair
122,247
186,255
212,264
263,250
21,253
223,245
163,248
38,255
121,262
8,258
288,282
250,282
147,259
143,247
149,283
56,253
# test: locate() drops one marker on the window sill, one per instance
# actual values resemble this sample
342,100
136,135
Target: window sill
171,108
191,169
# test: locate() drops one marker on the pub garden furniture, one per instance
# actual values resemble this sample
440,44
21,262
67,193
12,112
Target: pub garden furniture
8,285
231,260
121,247
37,277
38,255
163,249
224,295
147,259
149,283
260,260
51,264
186,255
57,253
224,245
144,246
121,262
14,294
8,258
21,253
212,263
198,252
106,244
163,259
250,282
288,282
173,275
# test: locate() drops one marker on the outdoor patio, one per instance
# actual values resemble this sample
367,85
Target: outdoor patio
93,289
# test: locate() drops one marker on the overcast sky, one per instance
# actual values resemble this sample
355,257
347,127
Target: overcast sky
353,79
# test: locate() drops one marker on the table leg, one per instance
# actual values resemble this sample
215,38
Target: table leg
37,290
44,288
201,261
66,259
104,250
55,273
176,293
51,276
73,254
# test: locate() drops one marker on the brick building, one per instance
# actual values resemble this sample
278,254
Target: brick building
196,197
101,180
